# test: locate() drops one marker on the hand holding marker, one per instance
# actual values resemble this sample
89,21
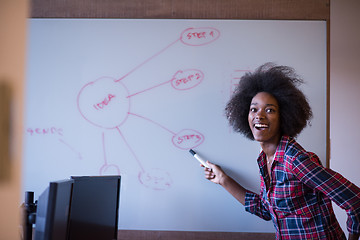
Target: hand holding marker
202,161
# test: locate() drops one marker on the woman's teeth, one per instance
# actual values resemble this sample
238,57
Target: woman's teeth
259,125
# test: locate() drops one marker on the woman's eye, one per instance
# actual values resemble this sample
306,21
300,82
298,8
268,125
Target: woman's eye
252,109
270,110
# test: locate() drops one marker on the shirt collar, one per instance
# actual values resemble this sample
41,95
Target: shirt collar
281,148
279,154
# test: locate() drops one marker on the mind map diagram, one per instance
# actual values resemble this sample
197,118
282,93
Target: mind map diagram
106,104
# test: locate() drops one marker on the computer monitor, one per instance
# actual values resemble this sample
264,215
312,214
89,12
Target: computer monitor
94,208
52,211
83,207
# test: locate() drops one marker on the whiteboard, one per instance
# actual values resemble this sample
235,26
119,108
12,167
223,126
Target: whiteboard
131,97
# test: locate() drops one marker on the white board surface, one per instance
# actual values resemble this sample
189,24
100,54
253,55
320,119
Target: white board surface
131,97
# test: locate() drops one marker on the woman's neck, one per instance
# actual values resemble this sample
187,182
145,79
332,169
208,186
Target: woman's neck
270,147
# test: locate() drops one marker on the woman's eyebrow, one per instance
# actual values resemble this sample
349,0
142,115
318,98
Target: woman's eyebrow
267,105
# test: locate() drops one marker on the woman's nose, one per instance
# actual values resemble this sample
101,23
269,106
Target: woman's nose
259,115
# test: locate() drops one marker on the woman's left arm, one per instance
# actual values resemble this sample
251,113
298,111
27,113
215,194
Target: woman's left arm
345,194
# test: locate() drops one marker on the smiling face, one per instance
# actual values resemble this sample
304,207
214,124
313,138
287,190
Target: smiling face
264,118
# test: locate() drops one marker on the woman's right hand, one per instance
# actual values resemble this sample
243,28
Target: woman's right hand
215,174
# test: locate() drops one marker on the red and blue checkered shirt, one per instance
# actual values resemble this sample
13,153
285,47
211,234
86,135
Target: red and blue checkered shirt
297,197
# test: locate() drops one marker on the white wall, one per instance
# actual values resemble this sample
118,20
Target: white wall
13,14
345,91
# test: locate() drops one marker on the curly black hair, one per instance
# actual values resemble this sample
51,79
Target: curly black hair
281,82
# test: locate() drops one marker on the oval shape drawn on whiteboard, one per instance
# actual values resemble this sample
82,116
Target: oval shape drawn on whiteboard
157,179
104,102
199,36
186,79
187,139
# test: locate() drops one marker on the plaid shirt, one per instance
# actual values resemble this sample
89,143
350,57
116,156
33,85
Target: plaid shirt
298,195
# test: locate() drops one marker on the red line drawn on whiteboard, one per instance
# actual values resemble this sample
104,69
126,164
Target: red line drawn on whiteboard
108,168
145,90
131,150
147,119
106,102
71,148
147,60
185,139
182,80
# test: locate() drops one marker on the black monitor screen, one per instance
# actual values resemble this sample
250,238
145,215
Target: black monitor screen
94,208
52,213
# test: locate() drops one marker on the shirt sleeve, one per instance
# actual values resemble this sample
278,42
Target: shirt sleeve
345,194
255,204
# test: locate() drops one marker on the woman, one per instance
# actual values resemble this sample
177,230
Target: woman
296,190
